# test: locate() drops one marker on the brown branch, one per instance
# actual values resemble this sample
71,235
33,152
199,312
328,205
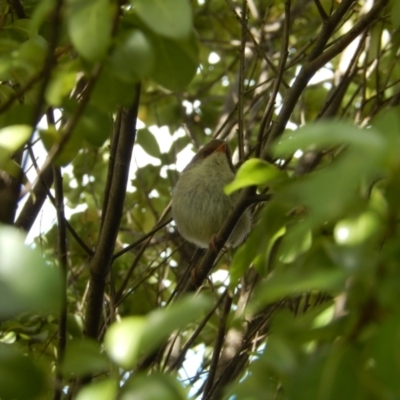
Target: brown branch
217,348
17,6
101,262
318,58
21,91
320,8
151,233
36,199
179,359
266,120
62,257
35,202
244,21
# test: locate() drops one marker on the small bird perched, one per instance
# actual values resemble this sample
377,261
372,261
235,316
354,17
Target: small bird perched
199,204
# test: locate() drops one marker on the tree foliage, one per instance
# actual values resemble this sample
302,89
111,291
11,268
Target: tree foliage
98,99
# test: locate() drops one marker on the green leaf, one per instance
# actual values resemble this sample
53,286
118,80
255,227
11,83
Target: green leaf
133,57
331,192
291,281
253,172
353,231
89,27
95,126
170,18
331,376
62,82
122,341
296,241
13,137
161,323
149,143
387,356
110,91
126,340
84,357
20,378
153,387
258,245
103,390
27,283
395,14
41,11
51,136
176,61
321,134
5,93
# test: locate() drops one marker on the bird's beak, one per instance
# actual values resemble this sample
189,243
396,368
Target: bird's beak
221,148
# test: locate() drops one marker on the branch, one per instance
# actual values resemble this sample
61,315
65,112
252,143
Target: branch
266,120
17,6
318,58
320,8
34,203
100,264
62,257
217,348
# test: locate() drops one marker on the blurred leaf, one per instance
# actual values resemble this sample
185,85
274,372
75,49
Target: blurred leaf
170,18
123,341
153,387
95,126
279,356
5,93
12,168
27,282
253,172
13,137
84,357
126,340
330,192
395,13
100,390
20,114
329,376
149,143
41,11
19,377
283,284
110,91
74,325
176,61
352,231
18,29
258,244
332,134
161,323
51,136
90,19
296,241
313,271
386,356
33,51
387,121
61,83
133,57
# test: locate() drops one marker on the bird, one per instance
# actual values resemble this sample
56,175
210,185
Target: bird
199,204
